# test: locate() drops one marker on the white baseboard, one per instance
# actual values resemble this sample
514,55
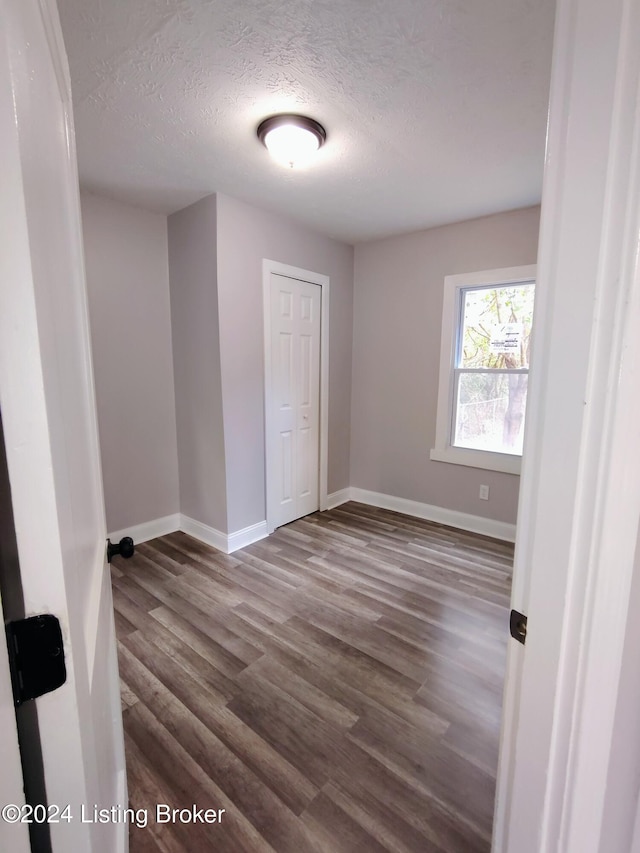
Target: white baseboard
225,542
149,529
206,534
230,542
337,498
440,515
246,536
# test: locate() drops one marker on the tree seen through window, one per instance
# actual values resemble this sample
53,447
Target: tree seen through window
492,365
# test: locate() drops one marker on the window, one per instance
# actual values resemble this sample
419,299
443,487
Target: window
484,368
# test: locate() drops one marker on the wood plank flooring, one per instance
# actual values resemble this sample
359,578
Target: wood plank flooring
335,688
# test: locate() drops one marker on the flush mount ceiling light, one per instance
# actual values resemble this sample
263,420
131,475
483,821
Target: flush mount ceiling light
291,139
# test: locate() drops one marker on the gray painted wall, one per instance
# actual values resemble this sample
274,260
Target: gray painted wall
398,292
198,317
246,235
196,358
128,289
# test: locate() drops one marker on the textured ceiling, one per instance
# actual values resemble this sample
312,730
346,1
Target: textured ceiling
435,110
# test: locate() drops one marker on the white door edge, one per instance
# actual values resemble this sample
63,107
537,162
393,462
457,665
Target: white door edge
270,267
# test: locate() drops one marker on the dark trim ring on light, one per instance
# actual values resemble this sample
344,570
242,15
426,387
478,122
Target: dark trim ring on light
303,122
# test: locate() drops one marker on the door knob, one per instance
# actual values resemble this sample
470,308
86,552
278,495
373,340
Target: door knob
124,548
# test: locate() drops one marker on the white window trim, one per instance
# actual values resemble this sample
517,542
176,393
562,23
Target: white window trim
444,451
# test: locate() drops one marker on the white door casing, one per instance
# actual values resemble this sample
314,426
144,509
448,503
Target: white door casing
49,417
296,304
579,510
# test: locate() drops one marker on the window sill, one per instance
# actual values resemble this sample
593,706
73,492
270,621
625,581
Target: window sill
504,462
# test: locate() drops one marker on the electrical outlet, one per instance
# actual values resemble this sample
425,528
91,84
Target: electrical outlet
484,493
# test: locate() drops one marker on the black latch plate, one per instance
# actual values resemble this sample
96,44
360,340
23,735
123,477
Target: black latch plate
518,626
36,656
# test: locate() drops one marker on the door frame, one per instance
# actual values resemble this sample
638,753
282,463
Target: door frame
270,267
567,704
84,758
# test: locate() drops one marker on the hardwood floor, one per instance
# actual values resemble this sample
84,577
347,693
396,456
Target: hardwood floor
336,687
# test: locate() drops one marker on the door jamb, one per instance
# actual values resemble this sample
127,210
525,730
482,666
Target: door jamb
269,267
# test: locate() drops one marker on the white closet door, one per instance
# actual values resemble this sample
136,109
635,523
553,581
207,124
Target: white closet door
295,382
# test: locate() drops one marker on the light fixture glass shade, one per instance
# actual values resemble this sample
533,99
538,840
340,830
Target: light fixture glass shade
291,140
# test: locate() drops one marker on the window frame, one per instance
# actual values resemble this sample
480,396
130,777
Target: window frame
454,285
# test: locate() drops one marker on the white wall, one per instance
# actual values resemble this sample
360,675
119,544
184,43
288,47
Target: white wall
198,449
398,289
246,235
383,367
128,288
196,354
623,788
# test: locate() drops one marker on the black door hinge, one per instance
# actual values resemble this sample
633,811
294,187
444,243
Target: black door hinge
36,657
518,626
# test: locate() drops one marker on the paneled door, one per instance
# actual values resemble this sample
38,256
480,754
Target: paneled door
295,397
